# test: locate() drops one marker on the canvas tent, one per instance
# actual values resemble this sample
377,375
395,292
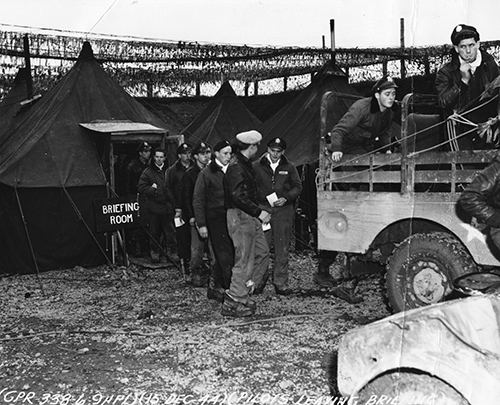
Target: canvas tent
298,122
52,169
14,101
223,118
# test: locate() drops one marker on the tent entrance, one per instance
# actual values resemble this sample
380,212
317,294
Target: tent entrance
123,136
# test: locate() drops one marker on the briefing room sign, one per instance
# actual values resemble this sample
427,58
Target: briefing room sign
116,213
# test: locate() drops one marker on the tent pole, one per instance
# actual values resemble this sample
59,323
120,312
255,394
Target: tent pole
80,216
115,236
29,241
111,159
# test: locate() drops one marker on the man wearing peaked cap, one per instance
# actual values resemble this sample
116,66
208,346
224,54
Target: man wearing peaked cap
460,82
174,182
279,186
136,240
211,219
383,84
367,125
365,128
244,222
201,155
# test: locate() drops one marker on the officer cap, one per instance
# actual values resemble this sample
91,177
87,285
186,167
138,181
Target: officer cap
183,148
249,137
463,31
277,143
383,84
144,146
201,148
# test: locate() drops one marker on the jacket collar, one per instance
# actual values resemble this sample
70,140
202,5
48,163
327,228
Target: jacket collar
455,60
243,159
265,161
214,167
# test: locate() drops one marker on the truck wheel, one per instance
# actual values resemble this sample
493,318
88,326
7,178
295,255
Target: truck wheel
406,388
422,268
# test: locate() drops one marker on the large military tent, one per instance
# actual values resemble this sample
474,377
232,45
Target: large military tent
298,122
223,118
52,169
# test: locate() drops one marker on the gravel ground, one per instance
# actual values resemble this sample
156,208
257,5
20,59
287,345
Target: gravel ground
115,335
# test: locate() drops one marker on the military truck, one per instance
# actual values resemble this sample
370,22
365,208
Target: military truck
399,209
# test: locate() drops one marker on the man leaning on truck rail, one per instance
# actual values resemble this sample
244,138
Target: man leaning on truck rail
366,126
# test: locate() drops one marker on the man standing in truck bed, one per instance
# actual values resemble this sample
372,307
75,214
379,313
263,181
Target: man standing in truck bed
364,128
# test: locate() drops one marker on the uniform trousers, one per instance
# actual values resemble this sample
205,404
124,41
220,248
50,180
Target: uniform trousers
251,253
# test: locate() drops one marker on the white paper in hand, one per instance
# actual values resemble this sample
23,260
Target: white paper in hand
266,227
178,222
272,198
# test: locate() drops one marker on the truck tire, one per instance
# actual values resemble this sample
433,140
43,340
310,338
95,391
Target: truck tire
406,388
421,270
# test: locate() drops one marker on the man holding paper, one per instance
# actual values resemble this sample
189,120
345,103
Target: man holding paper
244,224
279,186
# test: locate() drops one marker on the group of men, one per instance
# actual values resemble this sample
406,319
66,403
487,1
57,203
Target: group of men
217,203
219,194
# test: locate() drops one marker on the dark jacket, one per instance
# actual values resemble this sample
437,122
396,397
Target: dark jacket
285,181
159,200
132,174
187,190
240,186
363,128
453,93
208,197
174,181
481,198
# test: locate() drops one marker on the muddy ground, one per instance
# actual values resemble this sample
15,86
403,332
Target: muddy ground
116,335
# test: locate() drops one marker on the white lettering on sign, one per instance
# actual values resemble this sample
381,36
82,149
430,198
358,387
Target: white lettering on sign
120,207
121,219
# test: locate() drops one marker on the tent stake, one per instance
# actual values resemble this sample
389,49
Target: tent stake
29,241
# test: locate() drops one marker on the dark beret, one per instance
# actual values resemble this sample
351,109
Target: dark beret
221,145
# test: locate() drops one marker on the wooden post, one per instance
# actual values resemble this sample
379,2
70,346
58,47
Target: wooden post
255,87
384,68
149,89
285,83
427,66
323,41
197,88
27,63
246,88
332,40
402,40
